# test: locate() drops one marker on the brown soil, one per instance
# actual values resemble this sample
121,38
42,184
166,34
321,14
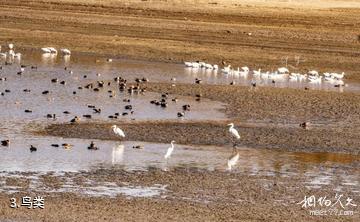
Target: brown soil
324,38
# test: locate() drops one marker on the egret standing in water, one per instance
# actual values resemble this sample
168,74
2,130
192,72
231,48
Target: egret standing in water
169,150
233,160
118,131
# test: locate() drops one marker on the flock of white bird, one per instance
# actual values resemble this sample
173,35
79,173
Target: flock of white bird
230,163
312,76
11,54
52,50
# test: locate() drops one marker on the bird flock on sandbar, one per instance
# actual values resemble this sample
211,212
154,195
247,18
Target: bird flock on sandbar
282,73
123,86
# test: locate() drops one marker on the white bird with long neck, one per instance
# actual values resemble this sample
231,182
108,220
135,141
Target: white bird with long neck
169,150
118,131
233,131
65,51
233,160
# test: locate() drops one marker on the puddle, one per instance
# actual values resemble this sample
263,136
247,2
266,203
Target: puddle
318,169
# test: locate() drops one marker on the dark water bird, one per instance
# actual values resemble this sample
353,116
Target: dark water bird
28,111
117,114
198,97
3,94
51,116
174,100
198,81
75,120
97,110
125,114
112,117
126,100
32,148
92,146
89,86
45,92
304,125
129,107
88,116
163,104
54,80
7,90
186,107
138,147
3,79
96,89
74,92
253,83
180,114
273,81
26,90
66,112
91,106
63,83
100,84
55,145
85,76
5,142
33,67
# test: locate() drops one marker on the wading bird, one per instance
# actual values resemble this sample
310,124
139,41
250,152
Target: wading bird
118,131
233,131
169,150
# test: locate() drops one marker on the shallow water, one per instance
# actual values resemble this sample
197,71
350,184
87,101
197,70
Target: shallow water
318,169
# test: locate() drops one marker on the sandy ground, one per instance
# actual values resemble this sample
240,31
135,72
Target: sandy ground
322,34
323,38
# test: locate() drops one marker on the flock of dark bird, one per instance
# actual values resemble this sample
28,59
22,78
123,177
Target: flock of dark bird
123,86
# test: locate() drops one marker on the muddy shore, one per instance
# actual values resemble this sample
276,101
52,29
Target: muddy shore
191,195
265,118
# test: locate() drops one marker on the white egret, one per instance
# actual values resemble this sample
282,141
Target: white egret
283,70
233,160
118,131
169,150
45,50
52,50
11,46
233,131
65,51
188,64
